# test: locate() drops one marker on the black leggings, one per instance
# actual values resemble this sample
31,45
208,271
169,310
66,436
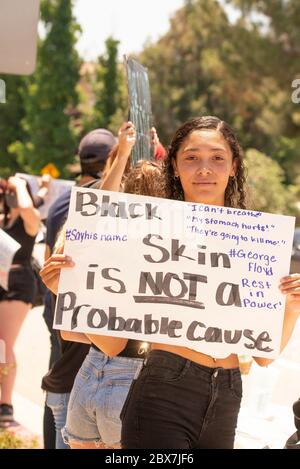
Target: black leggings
178,404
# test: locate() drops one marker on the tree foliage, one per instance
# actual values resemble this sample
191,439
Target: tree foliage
266,189
109,89
11,115
51,95
208,64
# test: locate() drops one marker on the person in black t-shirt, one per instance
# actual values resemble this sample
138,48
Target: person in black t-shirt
20,220
66,357
103,381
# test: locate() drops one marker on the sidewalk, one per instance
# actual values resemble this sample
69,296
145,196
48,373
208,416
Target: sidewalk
32,351
263,422
28,414
266,416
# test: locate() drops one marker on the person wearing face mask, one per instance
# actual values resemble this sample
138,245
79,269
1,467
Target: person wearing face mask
19,219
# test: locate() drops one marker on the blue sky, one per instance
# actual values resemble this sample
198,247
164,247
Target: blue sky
132,22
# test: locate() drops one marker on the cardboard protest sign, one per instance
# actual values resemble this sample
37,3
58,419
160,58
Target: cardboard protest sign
8,248
56,188
158,270
139,108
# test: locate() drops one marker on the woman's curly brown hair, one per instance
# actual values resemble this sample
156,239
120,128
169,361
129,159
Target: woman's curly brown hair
235,194
145,179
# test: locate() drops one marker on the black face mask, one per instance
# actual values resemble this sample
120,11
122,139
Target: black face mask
11,199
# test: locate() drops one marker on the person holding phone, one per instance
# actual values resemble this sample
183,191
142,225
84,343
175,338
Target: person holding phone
19,219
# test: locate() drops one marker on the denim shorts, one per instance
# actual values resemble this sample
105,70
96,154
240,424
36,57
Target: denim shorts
97,398
178,404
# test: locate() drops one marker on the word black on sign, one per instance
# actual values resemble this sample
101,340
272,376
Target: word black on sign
139,108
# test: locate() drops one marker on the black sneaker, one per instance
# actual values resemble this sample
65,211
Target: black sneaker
6,413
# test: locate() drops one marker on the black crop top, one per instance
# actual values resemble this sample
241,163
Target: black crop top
17,232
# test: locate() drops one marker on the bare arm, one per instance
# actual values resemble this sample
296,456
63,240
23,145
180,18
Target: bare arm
75,337
111,346
47,252
290,285
44,187
28,213
127,138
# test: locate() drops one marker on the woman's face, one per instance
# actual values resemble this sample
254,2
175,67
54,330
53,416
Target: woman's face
204,164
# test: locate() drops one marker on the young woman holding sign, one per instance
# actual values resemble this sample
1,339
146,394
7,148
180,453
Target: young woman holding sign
185,399
104,378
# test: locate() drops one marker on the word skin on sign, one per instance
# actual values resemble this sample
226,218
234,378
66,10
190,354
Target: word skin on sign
97,318
160,286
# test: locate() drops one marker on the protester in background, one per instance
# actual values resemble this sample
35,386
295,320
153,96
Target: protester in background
120,175
67,357
185,399
102,382
160,152
20,220
39,198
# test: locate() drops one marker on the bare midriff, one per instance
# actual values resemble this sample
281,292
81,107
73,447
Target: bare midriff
229,362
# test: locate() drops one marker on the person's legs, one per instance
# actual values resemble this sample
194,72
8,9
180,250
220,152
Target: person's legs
49,432
218,431
87,445
178,404
12,316
97,397
118,374
162,409
58,403
80,431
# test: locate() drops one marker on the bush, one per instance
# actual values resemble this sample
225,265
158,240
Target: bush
267,190
9,440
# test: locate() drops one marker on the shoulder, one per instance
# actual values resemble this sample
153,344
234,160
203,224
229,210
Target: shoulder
59,207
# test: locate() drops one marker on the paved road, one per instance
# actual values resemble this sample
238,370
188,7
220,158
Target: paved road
32,350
